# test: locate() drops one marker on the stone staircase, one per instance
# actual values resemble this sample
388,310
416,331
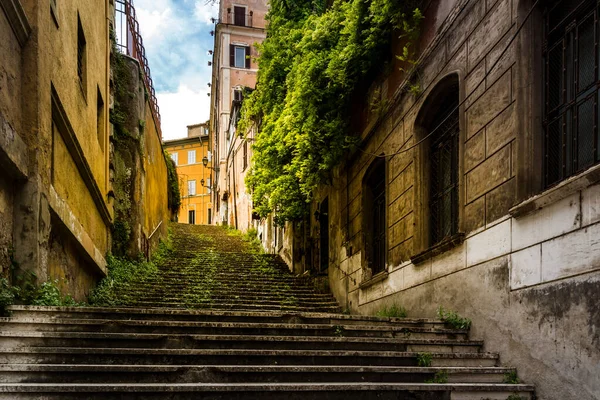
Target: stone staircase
238,338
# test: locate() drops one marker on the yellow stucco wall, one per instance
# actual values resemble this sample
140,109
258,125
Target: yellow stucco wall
200,202
155,201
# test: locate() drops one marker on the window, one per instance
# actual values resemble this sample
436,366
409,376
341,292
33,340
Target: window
374,206
239,16
237,95
81,55
100,119
191,188
191,217
192,157
443,126
209,216
208,186
245,161
572,82
239,56
175,158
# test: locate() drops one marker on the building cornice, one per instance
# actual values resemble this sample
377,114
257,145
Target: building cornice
17,19
187,140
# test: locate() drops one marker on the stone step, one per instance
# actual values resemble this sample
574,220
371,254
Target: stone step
276,306
291,391
192,341
228,328
178,314
306,295
86,373
142,356
255,301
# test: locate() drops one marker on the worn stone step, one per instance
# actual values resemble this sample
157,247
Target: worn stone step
293,391
274,306
178,314
255,301
192,341
83,355
231,328
86,373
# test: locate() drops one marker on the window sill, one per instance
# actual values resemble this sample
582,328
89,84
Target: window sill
556,193
378,277
436,250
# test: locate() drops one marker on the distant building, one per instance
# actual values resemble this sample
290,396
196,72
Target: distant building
195,179
239,27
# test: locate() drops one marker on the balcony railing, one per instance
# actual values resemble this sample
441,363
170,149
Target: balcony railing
239,18
130,42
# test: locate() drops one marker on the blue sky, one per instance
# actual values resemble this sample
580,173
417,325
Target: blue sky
177,38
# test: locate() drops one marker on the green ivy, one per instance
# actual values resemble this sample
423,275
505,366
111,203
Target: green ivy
310,66
174,195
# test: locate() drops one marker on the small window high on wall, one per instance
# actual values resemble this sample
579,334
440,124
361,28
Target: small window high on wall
571,85
374,215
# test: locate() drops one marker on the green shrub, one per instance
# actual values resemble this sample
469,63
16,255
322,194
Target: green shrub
7,295
394,311
424,359
453,320
48,294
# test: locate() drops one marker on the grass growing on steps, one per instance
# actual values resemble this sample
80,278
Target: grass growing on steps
453,320
394,310
124,274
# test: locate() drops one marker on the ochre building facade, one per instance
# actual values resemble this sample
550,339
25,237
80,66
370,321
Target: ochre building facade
56,192
195,179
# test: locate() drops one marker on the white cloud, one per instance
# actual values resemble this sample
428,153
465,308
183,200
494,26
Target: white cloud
182,108
204,10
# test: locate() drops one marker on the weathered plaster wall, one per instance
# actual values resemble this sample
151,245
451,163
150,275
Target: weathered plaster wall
6,224
155,203
10,75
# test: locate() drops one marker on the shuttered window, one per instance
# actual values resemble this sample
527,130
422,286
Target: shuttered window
239,56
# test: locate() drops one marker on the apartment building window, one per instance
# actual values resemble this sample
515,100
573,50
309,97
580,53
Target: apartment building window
245,165
192,217
443,166
100,127
192,157
239,16
374,206
191,188
175,158
239,56
571,86
209,216
81,56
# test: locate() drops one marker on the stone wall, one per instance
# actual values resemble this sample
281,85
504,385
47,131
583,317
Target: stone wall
525,265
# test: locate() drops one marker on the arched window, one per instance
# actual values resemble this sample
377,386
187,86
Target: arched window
571,85
438,124
374,213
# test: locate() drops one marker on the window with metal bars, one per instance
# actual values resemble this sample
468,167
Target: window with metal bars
374,206
571,85
443,167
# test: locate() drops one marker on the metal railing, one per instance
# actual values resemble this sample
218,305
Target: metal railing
130,42
239,19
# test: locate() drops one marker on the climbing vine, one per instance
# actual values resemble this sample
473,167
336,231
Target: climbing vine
173,194
310,66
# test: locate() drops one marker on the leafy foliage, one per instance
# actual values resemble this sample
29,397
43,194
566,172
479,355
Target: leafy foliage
174,196
511,377
7,295
439,377
310,66
49,294
452,319
424,359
